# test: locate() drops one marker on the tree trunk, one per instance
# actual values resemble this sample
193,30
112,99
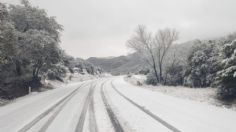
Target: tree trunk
34,72
156,74
154,67
160,73
17,67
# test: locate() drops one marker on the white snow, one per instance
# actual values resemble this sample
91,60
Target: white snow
140,77
185,115
206,95
103,121
136,79
79,77
25,109
131,118
67,120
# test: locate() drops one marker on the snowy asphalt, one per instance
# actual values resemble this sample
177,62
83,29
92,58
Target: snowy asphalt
111,105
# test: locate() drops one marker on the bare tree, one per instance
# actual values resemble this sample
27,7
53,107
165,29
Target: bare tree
142,42
162,42
154,48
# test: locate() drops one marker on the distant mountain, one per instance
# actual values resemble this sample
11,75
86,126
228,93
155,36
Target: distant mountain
135,62
119,65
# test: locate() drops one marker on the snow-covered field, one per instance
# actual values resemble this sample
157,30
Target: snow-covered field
205,95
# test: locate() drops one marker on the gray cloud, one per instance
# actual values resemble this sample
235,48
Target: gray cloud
101,27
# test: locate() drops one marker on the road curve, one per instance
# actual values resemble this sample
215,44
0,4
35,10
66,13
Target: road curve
112,105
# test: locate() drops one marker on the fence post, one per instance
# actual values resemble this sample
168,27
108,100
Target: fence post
29,90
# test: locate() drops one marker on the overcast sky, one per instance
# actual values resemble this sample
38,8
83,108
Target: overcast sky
101,27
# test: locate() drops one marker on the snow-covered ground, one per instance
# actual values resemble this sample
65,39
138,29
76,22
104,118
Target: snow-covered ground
111,104
102,118
132,119
186,115
81,77
136,79
51,84
206,95
26,108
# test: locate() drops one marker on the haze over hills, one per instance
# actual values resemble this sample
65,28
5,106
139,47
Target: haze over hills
119,65
135,62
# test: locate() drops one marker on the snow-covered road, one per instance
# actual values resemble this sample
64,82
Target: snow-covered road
112,105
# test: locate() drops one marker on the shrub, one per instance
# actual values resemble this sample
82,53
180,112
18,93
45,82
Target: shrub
174,75
151,79
203,64
56,73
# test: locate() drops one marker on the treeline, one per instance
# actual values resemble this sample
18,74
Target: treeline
29,43
30,51
78,65
210,63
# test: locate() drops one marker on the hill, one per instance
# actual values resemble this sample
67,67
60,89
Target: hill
135,62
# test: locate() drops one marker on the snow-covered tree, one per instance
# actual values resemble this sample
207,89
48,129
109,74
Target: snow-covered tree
26,17
29,47
203,64
7,36
39,36
9,70
154,48
8,48
40,50
227,77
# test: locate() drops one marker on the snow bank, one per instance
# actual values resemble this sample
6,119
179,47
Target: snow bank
207,95
135,79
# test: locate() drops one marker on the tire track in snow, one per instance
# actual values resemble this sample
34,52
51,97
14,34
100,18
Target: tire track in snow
92,119
169,126
80,124
113,118
29,125
51,119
